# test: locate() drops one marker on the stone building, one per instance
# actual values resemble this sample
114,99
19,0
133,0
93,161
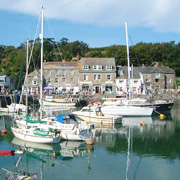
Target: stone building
97,75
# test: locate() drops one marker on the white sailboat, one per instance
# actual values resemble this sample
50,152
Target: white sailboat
35,134
70,130
126,110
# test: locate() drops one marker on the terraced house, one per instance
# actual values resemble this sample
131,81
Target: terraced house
97,75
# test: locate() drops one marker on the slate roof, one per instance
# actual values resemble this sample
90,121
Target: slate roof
136,72
35,73
164,70
59,65
98,61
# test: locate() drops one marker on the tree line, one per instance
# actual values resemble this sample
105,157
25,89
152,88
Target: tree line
166,54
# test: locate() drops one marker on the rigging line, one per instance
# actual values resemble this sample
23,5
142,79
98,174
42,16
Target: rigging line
20,75
51,30
30,57
138,62
34,41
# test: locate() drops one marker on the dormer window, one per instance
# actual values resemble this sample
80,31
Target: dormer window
108,67
158,75
85,67
99,67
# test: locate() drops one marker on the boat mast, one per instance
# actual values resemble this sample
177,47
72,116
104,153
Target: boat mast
41,84
127,44
27,53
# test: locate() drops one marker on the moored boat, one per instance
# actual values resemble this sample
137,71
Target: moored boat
95,115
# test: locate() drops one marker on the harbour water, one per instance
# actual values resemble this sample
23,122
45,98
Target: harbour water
129,151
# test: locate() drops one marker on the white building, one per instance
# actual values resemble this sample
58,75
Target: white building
136,80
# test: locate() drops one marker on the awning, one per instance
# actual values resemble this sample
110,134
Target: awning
49,87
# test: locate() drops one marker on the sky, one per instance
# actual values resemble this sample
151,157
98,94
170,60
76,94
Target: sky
98,23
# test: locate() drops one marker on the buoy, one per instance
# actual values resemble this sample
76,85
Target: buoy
161,116
89,141
4,131
142,123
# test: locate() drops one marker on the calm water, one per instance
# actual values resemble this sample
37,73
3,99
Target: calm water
121,152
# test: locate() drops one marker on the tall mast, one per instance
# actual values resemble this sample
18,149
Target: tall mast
41,84
127,44
27,62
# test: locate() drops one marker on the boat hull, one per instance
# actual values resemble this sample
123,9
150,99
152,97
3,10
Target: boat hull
99,119
34,138
127,111
58,104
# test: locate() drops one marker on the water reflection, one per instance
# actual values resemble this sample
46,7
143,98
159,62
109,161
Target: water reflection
124,151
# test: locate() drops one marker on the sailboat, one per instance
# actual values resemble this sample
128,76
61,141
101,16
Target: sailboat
69,128
35,134
126,110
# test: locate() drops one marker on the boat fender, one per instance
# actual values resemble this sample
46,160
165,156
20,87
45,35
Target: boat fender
89,142
161,116
4,131
142,123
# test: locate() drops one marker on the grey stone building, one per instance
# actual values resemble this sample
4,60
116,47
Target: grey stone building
158,77
62,76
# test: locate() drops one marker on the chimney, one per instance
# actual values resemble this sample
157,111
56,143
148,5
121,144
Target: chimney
77,56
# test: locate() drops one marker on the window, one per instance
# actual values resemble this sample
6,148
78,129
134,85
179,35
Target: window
56,80
63,80
94,67
108,77
156,80
99,77
108,67
85,77
85,67
72,80
120,81
135,81
64,72
48,81
168,80
99,67
56,72
34,82
158,75
72,72
95,77
134,88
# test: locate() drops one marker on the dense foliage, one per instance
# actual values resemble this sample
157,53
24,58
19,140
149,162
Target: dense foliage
167,54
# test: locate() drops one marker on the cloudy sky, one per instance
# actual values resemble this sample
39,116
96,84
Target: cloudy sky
95,22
